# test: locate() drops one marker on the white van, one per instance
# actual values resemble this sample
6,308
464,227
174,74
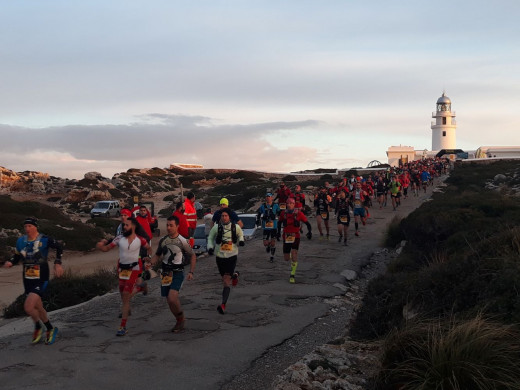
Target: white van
106,208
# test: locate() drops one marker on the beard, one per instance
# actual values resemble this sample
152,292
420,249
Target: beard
127,233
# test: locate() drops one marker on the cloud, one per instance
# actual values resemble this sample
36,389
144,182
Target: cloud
156,140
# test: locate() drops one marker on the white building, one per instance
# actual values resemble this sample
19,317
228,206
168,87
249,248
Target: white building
398,155
445,125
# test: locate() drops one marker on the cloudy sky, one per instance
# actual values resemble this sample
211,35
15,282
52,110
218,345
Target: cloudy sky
270,85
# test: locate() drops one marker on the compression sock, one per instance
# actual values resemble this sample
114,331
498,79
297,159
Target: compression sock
294,264
356,224
225,294
47,325
273,249
37,325
123,323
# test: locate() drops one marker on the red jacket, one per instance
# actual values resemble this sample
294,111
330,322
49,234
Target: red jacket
183,224
190,213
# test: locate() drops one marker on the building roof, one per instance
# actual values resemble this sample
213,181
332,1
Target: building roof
444,99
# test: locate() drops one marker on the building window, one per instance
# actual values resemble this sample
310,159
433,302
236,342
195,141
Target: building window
444,134
443,120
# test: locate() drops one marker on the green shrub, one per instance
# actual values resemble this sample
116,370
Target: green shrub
69,290
472,354
394,233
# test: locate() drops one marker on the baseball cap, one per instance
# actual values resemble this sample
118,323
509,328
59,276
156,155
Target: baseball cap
31,221
268,194
224,201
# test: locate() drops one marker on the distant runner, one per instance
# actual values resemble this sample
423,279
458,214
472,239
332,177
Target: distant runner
267,216
291,221
33,249
343,215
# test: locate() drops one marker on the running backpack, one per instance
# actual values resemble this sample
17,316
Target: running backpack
220,233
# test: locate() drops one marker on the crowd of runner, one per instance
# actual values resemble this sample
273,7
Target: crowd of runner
282,216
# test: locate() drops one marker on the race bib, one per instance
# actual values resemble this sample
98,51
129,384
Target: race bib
166,279
282,206
32,272
290,238
343,218
324,215
357,202
125,274
226,247
269,224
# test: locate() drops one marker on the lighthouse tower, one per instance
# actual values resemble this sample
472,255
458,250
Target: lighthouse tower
443,129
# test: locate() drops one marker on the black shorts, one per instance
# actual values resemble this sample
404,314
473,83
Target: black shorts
323,214
341,219
226,266
288,247
269,234
36,286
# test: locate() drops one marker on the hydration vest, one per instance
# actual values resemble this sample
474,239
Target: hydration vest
220,233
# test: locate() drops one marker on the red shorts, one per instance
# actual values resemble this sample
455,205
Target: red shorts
128,279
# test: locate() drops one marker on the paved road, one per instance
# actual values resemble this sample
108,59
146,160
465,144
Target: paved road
266,317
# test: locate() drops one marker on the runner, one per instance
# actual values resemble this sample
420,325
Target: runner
173,249
33,249
267,216
321,202
395,190
291,220
129,265
343,215
357,198
191,214
224,204
425,178
282,194
222,240
182,227
299,198
381,190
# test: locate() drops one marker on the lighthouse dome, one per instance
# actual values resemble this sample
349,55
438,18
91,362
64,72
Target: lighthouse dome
444,99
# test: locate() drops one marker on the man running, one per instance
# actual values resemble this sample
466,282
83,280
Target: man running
321,202
129,266
343,215
267,216
224,204
33,249
357,197
222,240
173,249
282,194
291,220
395,191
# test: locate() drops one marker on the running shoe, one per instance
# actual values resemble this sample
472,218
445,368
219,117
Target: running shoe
271,260
291,279
345,243
234,278
327,237
37,335
51,336
143,287
357,234
179,326
122,331
340,238
221,308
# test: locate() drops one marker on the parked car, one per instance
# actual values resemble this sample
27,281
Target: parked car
106,208
250,228
201,243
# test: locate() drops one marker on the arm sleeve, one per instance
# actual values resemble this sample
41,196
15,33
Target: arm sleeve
211,236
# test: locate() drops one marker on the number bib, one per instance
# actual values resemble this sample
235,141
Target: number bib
32,272
290,238
125,274
269,224
282,206
226,246
166,278
323,215
343,218
357,202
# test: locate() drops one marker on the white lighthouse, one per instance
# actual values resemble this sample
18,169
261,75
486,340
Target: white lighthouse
445,125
